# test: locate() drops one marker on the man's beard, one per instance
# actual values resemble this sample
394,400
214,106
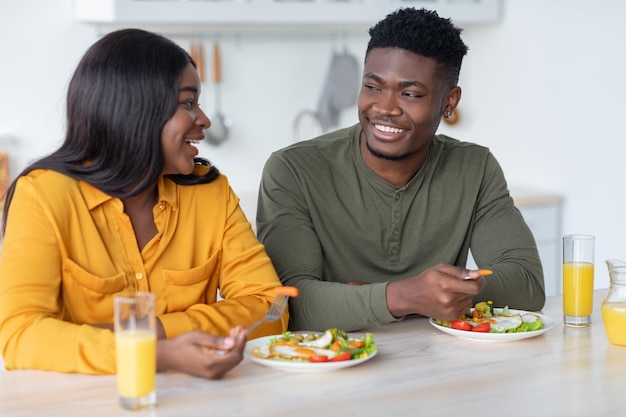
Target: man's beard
379,155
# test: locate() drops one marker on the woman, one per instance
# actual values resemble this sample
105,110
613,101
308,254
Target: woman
125,203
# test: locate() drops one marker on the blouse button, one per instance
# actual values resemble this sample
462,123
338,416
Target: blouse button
396,214
138,275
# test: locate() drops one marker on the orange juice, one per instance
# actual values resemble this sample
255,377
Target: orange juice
577,289
614,317
136,363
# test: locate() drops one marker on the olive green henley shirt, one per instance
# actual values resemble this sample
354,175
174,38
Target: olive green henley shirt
326,218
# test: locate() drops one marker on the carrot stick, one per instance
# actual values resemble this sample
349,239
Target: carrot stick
286,290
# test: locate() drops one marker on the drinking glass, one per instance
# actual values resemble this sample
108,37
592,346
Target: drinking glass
135,348
578,268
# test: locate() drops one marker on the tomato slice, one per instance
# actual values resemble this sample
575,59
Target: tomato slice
459,324
482,327
318,358
343,356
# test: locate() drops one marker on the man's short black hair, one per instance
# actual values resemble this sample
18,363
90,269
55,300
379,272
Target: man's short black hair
424,33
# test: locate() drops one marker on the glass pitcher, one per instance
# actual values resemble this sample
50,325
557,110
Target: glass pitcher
614,304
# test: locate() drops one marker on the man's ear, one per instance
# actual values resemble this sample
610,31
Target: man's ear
450,112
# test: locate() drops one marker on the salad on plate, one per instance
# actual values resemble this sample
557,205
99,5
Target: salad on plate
333,345
485,318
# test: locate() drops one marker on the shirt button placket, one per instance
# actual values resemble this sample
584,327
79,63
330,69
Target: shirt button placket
395,225
140,282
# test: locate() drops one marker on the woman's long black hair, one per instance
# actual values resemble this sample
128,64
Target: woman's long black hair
122,93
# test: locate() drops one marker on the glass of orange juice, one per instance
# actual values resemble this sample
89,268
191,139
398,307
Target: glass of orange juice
135,349
578,271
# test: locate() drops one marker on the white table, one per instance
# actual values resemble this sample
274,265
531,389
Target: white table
419,371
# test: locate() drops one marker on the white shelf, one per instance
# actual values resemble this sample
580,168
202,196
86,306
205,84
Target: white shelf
195,16
7,141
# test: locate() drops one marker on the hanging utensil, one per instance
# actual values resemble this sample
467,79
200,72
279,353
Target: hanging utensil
306,125
340,89
197,54
220,124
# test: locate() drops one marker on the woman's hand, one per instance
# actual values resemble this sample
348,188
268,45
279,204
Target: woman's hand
202,354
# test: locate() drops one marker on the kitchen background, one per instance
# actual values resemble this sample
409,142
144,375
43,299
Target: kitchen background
542,88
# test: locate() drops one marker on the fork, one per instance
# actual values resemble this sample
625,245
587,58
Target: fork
278,306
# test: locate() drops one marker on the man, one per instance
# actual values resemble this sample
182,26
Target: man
374,222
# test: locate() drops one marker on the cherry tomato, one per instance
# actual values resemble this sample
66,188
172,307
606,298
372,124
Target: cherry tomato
459,324
318,358
482,327
343,356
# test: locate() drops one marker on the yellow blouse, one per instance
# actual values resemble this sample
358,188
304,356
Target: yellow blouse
69,248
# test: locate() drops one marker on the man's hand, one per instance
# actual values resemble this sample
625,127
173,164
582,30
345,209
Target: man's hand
439,292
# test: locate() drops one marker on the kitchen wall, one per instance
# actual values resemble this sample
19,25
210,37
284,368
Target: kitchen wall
542,88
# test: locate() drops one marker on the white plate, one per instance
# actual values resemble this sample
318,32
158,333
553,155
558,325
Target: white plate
298,366
548,323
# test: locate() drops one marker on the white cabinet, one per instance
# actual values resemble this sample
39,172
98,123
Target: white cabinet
544,221
542,212
212,15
